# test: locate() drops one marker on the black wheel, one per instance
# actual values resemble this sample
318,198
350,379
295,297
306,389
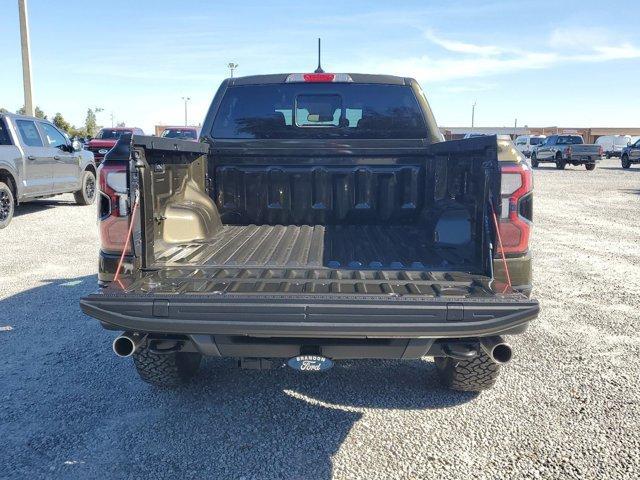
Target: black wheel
590,166
534,160
479,373
560,163
7,204
608,156
625,162
87,194
166,369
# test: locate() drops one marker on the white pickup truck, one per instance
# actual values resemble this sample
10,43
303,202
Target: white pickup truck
37,160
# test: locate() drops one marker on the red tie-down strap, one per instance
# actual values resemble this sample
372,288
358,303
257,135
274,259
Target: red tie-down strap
504,258
126,244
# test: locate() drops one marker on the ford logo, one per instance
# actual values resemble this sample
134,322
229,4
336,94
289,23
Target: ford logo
310,363
102,151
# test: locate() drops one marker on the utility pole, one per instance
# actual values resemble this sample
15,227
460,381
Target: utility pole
473,113
186,99
111,119
232,66
26,57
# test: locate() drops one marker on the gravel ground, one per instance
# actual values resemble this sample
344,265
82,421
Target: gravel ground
567,406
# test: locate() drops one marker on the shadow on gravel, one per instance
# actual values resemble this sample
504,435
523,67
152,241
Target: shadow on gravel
71,409
636,170
40,205
569,168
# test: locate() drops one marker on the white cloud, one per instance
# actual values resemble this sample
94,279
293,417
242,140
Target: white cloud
462,47
571,37
471,60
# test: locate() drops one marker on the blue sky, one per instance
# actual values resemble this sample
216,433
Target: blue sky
545,63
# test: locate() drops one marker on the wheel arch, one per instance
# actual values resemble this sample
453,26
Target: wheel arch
91,168
7,177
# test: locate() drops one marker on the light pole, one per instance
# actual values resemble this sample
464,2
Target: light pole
473,113
186,99
26,57
232,66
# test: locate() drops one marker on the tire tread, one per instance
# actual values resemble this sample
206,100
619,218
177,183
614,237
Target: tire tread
474,375
166,369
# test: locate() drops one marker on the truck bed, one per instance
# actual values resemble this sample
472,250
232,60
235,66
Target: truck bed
393,247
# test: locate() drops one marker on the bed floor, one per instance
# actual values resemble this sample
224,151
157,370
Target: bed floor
347,247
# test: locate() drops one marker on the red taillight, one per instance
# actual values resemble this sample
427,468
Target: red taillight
600,150
113,209
515,227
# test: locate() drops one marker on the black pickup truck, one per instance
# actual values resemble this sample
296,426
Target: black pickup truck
319,218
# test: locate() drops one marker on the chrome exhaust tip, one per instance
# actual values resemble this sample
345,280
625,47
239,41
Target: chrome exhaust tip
498,350
126,344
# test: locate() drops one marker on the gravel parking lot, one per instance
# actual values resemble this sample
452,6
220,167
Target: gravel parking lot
567,406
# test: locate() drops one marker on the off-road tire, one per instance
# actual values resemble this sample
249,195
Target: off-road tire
534,160
166,369
87,194
479,373
560,163
625,162
590,166
7,205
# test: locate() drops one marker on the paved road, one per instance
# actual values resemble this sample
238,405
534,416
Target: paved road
567,406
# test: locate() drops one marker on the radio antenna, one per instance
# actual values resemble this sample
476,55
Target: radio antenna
319,69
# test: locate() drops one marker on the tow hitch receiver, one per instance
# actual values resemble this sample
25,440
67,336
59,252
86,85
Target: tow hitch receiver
310,363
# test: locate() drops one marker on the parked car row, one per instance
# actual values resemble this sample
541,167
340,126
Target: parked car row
566,150
37,160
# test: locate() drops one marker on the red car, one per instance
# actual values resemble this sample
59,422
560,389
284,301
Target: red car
107,138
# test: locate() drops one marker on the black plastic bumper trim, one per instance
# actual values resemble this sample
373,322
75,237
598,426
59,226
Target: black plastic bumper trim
269,317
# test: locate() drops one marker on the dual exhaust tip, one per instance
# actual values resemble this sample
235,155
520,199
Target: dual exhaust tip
497,349
126,344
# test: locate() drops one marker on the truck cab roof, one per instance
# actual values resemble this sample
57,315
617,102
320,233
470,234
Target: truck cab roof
354,78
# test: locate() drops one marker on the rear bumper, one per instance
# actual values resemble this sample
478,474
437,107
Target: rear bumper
288,316
583,159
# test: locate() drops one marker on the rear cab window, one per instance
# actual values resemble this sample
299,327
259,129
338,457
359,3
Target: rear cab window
180,133
319,111
569,140
29,133
112,134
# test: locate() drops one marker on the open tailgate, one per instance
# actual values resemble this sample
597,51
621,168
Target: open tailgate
312,303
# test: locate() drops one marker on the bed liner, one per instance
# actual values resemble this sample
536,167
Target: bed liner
352,246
